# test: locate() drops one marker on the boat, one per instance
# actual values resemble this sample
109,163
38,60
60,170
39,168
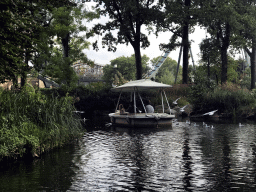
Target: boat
143,119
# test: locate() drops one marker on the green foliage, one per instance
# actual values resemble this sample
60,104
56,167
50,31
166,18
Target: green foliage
96,87
25,35
124,17
202,85
245,78
67,24
127,17
18,37
119,79
125,66
32,123
235,73
228,98
167,72
230,25
60,69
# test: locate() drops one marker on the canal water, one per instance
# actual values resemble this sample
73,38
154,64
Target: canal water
182,158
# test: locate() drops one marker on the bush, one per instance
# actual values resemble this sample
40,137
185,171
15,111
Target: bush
229,98
31,122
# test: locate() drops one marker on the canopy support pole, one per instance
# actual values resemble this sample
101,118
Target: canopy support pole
134,102
142,102
167,102
162,100
118,101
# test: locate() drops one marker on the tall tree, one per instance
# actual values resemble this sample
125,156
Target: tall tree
210,55
67,22
224,22
127,18
248,9
16,38
180,18
20,29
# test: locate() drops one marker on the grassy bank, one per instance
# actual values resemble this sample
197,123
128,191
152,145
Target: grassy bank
32,123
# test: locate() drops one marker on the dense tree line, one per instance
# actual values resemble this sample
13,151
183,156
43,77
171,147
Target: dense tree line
230,24
46,33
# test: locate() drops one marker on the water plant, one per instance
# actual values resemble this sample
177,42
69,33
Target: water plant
32,123
230,99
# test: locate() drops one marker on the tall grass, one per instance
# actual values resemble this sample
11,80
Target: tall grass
31,122
230,99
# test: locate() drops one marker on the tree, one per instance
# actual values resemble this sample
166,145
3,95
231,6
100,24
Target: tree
224,22
66,23
127,18
16,38
249,32
20,29
180,18
210,55
233,71
125,66
167,72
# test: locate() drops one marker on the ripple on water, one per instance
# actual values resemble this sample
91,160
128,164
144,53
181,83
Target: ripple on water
178,159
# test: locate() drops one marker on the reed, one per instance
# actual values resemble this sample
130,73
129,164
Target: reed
32,123
229,99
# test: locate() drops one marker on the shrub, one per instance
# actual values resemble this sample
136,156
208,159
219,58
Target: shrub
228,98
31,122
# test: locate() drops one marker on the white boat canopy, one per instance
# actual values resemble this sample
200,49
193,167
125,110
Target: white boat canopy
140,85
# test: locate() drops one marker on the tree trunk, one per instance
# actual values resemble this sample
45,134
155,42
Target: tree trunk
64,42
185,44
136,47
224,66
253,55
14,82
23,79
224,53
138,61
24,71
208,67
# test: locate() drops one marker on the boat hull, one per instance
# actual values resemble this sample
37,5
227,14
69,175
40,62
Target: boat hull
142,120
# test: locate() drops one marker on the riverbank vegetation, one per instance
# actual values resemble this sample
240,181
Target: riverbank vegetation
32,123
231,99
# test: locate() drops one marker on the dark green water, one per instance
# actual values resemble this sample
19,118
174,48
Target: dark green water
182,158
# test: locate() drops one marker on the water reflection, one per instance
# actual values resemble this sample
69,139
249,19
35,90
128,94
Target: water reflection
52,172
182,158
187,164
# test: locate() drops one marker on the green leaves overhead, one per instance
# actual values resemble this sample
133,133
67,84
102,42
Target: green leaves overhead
127,17
226,21
124,25
27,31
